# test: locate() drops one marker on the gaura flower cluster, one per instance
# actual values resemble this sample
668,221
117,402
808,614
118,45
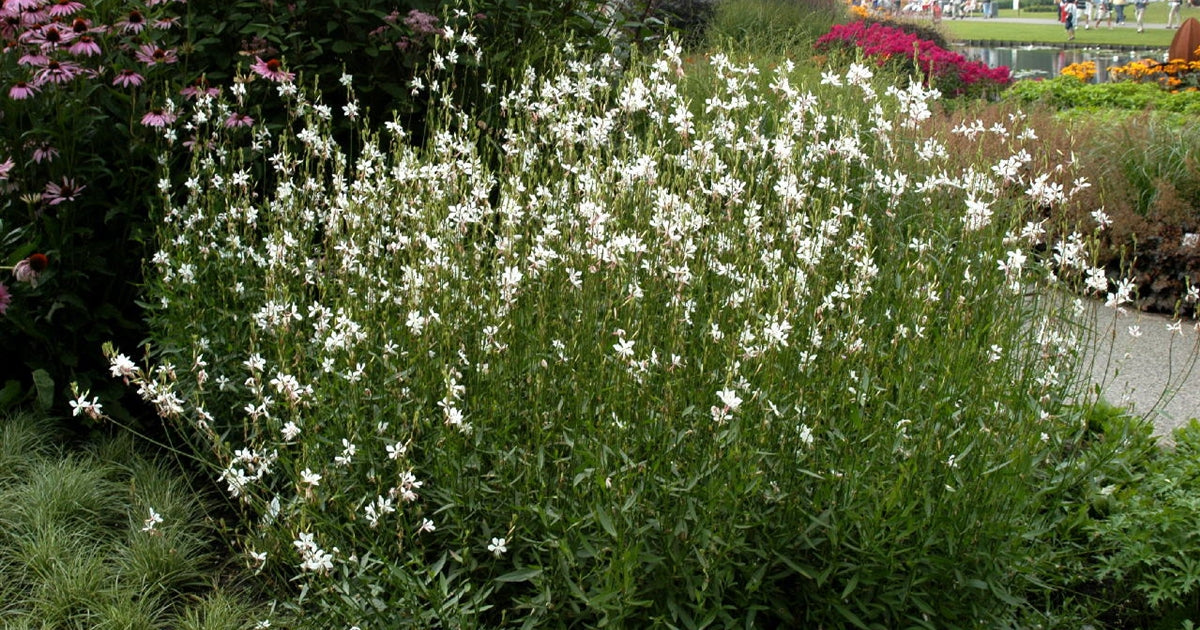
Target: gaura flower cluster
372,325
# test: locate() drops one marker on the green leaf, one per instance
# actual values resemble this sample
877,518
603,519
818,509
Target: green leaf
849,615
10,393
605,521
520,575
44,385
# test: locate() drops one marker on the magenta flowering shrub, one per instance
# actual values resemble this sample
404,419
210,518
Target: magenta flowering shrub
894,47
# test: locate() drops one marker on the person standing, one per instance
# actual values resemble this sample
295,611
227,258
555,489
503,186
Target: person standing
1173,19
1104,13
1089,13
1069,15
1139,11
1120,6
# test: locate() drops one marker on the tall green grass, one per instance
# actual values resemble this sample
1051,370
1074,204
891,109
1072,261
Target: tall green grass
771,28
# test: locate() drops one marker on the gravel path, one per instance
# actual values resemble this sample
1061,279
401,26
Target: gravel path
1151,369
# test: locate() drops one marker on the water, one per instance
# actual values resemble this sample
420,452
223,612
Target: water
1028,62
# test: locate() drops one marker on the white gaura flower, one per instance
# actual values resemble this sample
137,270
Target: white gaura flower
624,348
290,431
90,408
310,478
397,450
978,216
830,77
152,522
858,74
498,547
122,367
348,451
314,558
730,399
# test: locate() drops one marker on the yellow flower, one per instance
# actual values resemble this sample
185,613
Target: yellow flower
1084,71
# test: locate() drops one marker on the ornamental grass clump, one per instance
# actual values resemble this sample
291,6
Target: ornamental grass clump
630,359
903,52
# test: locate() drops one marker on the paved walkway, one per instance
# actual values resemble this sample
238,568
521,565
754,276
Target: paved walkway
1129,23
1152,368
1052,21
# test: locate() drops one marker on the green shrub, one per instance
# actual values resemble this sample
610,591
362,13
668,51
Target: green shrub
1065,92
739,360
1146,535
78,177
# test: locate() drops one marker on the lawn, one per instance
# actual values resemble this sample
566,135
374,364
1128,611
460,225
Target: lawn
1155,35
995,30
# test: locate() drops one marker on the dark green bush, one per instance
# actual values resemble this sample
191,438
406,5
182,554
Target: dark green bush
81,178
1147,538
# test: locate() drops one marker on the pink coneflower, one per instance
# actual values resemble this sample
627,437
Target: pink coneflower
166,24
85,46
158,117
56,72
31,268
81,26
59,193
5,167
33,16
192,144
150,55
45,152
5,298
271,70
126,78
200,87
63,8
21,91
33,59
47,38
9,24
135,22
238,119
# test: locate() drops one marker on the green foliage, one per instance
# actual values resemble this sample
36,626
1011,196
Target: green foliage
770,27
78,190
76,550
386,45
1147,533
1065,92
